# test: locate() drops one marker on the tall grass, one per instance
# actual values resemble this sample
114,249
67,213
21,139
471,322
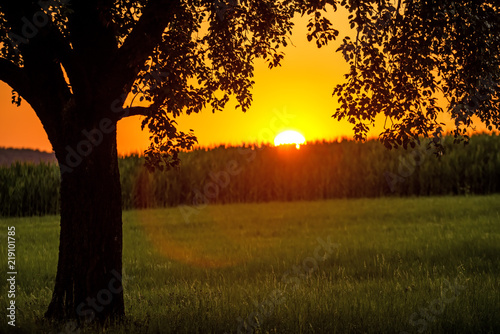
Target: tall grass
29,189
248,174
316,171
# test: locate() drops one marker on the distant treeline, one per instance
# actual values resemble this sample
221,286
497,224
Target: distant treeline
11,155
323,170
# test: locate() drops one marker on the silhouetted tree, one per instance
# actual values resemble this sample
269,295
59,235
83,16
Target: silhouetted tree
76,62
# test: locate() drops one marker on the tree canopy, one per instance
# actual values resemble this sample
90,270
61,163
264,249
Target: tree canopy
182,56
409,54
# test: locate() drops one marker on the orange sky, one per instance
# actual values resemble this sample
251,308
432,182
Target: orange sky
301,89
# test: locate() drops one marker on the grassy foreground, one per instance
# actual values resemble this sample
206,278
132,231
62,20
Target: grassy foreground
416,265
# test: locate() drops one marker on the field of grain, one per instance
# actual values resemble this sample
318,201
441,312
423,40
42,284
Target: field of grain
380,265
317,171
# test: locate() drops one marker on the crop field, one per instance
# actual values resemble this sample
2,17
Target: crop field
367,265
317,171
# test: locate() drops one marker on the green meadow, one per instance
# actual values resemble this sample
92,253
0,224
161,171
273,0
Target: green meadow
378,265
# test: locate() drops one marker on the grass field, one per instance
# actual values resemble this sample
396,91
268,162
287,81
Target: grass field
416,265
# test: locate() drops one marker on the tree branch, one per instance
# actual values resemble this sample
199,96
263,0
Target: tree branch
91,33
47,40
15,77
40,80
399,5
134,111
140,43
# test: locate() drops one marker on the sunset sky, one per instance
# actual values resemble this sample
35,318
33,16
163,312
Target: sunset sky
296,96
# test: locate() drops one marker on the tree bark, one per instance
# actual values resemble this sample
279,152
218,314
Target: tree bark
88,283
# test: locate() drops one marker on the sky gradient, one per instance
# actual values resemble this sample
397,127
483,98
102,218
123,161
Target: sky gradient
296,96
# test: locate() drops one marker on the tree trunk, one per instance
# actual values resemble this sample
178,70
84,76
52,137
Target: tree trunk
88,283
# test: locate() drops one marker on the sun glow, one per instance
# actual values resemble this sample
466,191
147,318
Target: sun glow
289,137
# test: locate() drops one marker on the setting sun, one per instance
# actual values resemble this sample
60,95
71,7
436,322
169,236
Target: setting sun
289,137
